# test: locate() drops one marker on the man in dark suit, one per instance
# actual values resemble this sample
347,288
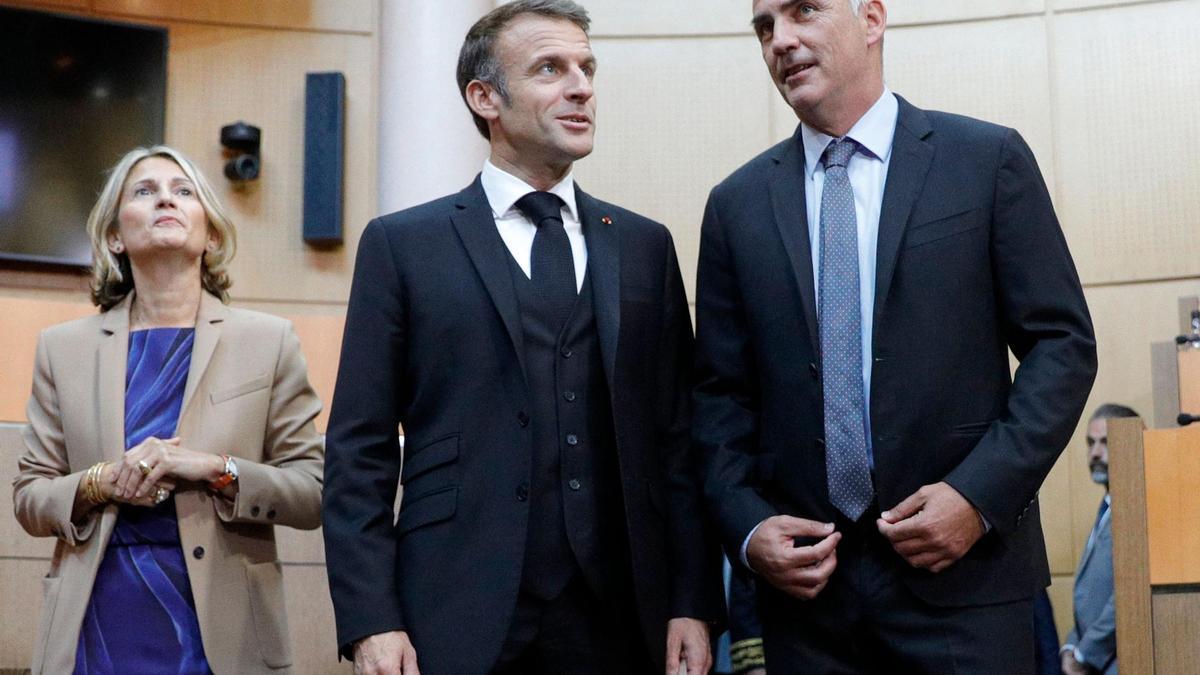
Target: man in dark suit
1092,643
535,344
860,286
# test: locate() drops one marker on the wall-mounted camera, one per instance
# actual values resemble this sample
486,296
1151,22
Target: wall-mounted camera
242,142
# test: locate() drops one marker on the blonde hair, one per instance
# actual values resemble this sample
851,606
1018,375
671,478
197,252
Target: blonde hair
112,276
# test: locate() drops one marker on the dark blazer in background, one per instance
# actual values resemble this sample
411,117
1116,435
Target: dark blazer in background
971,263
434,342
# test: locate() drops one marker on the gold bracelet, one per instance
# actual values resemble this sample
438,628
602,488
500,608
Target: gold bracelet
89,485
92,484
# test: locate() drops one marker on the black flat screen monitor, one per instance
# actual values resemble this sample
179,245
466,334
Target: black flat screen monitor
75,95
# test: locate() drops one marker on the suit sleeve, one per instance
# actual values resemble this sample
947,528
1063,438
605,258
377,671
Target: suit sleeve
285,487
1048,328
362,464
696,590
1098,643
47,482
726,394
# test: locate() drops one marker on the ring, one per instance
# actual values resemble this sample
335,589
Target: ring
160,495
145,468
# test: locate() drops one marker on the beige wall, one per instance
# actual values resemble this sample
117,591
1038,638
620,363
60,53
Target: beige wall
683,100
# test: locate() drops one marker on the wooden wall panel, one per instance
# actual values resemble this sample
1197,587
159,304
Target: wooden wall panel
1128,197
659,150
21,588
999,72
359,16
219,75
905,12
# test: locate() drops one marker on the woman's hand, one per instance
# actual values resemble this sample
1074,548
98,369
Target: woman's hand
145,467
108,489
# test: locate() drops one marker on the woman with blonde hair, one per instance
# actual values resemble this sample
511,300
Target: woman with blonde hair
167,437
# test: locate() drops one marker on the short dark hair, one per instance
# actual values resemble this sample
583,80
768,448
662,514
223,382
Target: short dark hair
477,58
1111,410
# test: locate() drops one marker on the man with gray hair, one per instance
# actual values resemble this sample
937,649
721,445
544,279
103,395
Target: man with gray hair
535,344
1091,646
859,289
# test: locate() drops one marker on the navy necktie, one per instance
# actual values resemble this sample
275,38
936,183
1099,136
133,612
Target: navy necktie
848,473
551,265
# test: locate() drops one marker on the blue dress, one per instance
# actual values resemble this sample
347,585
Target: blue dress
141,617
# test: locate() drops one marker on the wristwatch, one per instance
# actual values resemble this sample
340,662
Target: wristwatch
230,475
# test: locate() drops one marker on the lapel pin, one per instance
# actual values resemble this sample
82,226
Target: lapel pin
606,220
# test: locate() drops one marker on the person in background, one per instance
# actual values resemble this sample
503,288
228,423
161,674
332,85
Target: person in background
1091,646
168,437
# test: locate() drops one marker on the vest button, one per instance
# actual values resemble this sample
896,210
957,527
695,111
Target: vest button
574,484
523,419
569,396
572,439
522,492
198,552
566,352
812,370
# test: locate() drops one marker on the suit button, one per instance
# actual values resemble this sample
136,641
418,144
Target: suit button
812,370
569,396
522,492
574,484
254,511
523,419
198,552
566,352
572,439
271,514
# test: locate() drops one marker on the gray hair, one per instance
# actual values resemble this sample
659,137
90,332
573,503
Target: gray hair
1113,410
112,275
477,58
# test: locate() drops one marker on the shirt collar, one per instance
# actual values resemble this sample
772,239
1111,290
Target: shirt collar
504,189
873,131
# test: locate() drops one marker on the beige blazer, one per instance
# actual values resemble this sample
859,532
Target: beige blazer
248,396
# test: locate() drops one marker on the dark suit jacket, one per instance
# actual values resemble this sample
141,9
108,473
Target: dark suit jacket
433,341
971,263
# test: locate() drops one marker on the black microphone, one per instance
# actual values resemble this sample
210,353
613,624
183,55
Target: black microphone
1185,419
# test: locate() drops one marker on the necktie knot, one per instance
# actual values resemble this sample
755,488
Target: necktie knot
538,206
838,153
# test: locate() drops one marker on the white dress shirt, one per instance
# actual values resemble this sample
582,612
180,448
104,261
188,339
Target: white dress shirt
504,189
867,171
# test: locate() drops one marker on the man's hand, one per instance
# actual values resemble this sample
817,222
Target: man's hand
933,528
388,653
687,640
799,571
1072,667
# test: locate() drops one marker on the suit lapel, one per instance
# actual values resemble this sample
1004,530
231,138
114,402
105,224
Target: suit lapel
911,158
476,228
604,267
791,217
113,352
211,314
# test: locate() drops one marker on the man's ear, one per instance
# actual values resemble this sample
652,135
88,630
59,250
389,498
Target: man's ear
483,100
875,14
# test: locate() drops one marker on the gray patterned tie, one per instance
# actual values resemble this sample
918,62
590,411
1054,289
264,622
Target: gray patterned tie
848,474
